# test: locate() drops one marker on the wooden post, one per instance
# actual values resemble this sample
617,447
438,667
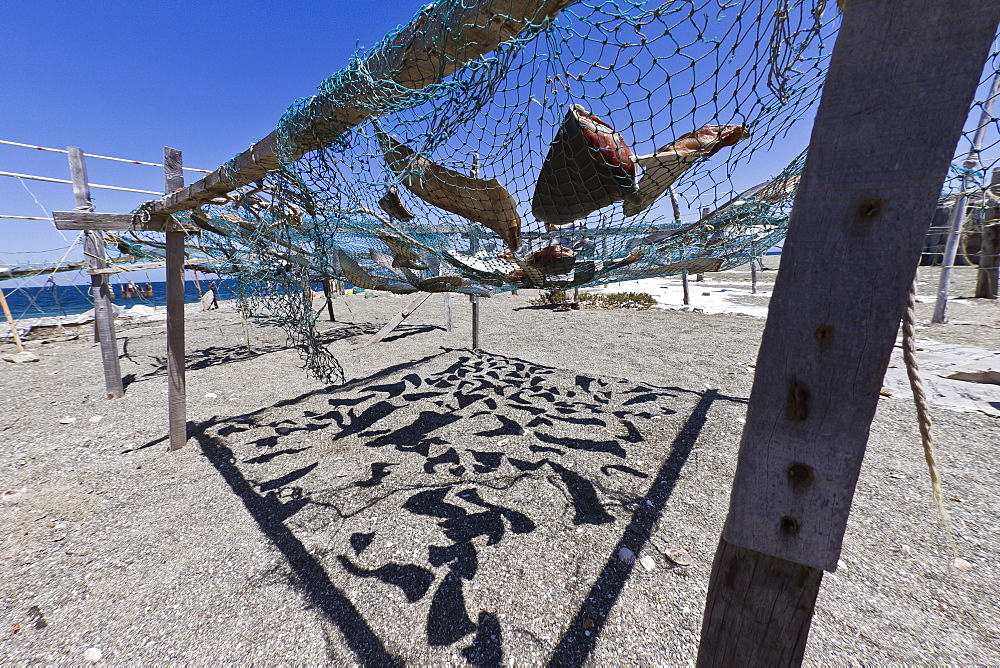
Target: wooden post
988,275
957,220
201,295
447,310
475,321
902,77
93,250
173,178
677,219
327,292
704,214
10,321
753,269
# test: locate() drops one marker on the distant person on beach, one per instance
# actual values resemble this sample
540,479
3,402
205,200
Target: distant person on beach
210,300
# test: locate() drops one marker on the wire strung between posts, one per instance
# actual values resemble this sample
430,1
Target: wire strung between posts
92,185
100,157
923,411
24,217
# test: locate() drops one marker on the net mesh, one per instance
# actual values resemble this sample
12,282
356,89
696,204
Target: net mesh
597,142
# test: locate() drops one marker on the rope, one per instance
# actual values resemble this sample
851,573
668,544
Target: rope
923,411
100,157
92,185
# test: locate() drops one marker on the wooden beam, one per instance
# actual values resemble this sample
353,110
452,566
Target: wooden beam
90,220
403,315
442,39
93,250
173,178
897,93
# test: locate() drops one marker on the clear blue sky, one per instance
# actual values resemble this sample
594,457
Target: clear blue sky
127,79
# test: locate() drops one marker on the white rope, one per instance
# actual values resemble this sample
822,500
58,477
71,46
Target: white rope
100,157
92,185
25,218
923,411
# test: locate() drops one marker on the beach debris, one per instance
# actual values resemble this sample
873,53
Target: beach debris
588,166
648,563
393,205
587,623
481,201
961,564
626,556
283,430
989,376
22,357
92,654
679,556
12,494
342,473
67,420
211,395
663,167
94,419
36,616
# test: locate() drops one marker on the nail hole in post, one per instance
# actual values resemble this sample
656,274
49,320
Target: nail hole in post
789,526
871,208
798,402
799,474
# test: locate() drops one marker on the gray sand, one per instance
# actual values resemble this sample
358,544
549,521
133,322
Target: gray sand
447,506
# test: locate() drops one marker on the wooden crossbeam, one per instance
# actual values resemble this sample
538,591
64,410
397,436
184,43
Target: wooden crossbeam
403,315
92,220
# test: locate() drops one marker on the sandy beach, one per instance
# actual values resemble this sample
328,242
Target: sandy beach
518,504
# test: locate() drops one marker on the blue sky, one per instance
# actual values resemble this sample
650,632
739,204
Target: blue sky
127,79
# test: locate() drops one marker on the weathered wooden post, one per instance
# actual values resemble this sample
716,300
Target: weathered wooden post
328,293
93,250
475,321
173,178
988,274
677,219
900,82
10,321
957,220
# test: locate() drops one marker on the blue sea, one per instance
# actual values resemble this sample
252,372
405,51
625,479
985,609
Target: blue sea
56,300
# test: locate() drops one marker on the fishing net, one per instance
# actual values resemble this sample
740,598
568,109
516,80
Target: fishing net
606,142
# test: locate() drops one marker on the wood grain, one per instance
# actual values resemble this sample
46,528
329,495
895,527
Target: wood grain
93,250
900,84
176,380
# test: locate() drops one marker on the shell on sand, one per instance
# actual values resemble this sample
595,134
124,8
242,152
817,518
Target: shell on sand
588,166
393,205
485,202
665,166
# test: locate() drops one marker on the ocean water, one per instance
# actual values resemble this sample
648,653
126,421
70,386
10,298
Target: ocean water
55,300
